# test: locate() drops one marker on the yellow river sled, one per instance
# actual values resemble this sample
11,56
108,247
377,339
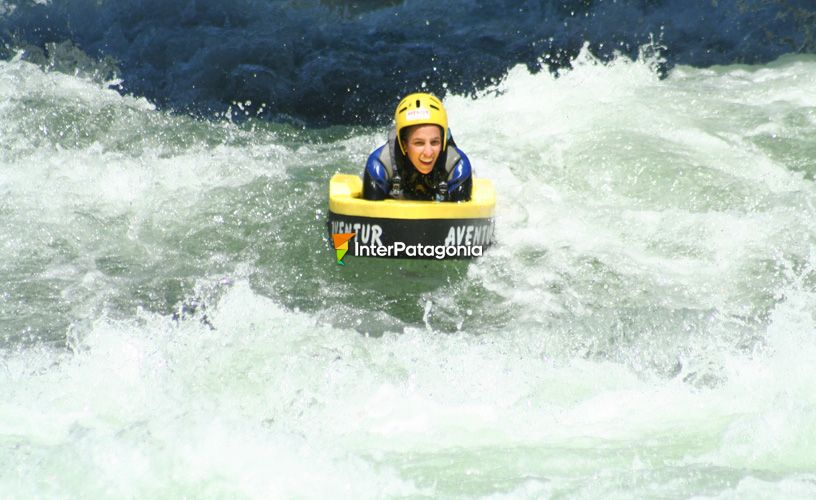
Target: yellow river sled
408,228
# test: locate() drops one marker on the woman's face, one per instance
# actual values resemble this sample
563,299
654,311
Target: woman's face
423,145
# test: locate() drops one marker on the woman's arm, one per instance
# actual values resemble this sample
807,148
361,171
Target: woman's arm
376,183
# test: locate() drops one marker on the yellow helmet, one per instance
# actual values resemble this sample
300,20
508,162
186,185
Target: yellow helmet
421,109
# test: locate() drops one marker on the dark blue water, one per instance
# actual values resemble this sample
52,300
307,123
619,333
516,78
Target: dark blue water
328,62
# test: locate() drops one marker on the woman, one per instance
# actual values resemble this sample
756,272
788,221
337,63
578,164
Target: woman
419,161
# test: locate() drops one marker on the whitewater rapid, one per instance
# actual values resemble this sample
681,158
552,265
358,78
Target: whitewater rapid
174,324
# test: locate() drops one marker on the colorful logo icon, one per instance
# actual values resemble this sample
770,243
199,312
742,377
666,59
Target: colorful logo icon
341,242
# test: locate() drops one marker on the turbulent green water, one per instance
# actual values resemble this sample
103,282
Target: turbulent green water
173,324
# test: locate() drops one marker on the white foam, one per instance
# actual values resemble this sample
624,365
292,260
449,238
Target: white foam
638,229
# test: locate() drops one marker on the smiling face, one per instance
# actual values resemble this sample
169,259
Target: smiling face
423,145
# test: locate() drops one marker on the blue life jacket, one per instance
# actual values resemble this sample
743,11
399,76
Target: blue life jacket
390,174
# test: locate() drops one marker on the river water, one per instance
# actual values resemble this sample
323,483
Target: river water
173,323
